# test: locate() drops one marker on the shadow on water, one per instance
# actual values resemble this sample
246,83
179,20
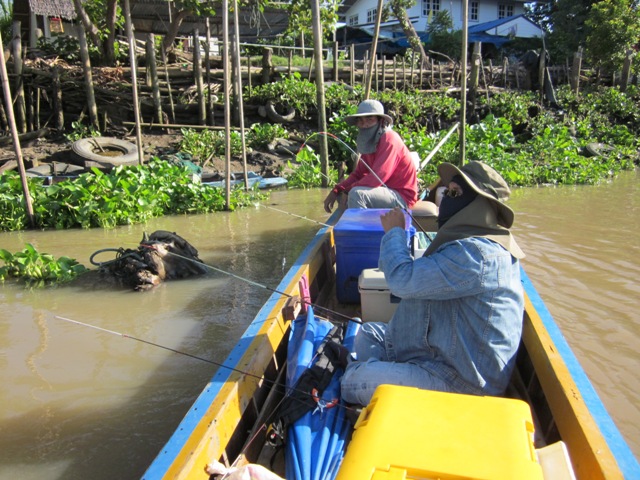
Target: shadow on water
87,404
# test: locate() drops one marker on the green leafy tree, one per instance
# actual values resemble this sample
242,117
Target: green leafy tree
300,18
100,19
540,14
442,39
614,28
568,30
6,20
180,10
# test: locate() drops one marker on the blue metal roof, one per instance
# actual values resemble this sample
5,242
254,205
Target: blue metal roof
483,27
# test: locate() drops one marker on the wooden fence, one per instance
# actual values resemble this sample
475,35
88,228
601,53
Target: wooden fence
52,94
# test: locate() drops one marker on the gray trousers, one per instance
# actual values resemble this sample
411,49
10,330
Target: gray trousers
378,197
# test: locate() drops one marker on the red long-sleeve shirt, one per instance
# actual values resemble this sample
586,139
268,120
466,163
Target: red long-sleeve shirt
392,164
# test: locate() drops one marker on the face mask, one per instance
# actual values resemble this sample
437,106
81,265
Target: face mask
367,140
449,206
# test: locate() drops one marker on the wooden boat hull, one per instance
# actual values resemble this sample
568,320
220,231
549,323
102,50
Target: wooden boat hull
224,422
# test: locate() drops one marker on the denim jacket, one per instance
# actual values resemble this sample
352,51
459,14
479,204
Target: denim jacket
460,316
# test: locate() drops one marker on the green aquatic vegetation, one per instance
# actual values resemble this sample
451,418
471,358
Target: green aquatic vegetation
202,145
307,172
261,135
38,269
126,195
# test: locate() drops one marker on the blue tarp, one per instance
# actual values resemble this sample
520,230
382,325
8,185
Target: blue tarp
316,442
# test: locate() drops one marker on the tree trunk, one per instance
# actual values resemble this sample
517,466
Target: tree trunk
109,42
89,27
409,31
173,29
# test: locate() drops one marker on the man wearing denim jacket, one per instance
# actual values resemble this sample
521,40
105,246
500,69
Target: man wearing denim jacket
458,325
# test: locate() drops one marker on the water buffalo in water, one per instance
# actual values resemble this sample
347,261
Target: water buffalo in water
160,256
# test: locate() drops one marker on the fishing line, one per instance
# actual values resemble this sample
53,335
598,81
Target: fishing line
294,215
259,285
274,384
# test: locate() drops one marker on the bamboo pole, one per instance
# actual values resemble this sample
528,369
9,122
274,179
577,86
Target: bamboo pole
249,74
352,55
236,39
475,74
575,71
374,47
384,73
207,61
335,72
14,133
463,81
227,100
320,98
134,78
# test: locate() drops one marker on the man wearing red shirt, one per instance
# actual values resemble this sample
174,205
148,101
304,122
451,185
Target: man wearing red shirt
385,176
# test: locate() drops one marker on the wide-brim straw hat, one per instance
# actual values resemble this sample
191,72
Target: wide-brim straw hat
366,109
485,181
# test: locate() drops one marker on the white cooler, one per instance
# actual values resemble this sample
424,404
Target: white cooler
377,302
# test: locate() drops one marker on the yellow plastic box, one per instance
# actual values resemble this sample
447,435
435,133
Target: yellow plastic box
408,433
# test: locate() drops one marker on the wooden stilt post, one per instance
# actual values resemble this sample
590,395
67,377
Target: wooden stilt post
320,98
14,134
57,99
88,78
19,102
236,42
153,73
197,74
352,59
207,62
166,74
227,101
134,78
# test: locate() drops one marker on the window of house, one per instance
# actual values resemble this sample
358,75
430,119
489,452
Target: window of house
473,11
429,7
353,20
505,10
371,15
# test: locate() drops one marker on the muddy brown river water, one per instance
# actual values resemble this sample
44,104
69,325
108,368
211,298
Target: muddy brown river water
77,402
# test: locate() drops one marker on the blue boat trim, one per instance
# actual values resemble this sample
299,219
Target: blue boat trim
619,447
172,448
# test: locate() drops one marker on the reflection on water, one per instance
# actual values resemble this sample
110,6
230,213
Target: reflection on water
81,403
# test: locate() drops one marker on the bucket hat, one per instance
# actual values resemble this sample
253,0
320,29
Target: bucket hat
485,181
366,109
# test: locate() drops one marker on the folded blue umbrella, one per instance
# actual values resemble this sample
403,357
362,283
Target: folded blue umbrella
316,442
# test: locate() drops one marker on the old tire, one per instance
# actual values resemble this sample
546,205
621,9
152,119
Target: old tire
274,116
105,152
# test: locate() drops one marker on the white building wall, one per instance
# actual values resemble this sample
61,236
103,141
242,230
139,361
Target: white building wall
487,11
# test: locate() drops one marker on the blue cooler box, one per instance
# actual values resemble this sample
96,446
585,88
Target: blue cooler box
357,235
